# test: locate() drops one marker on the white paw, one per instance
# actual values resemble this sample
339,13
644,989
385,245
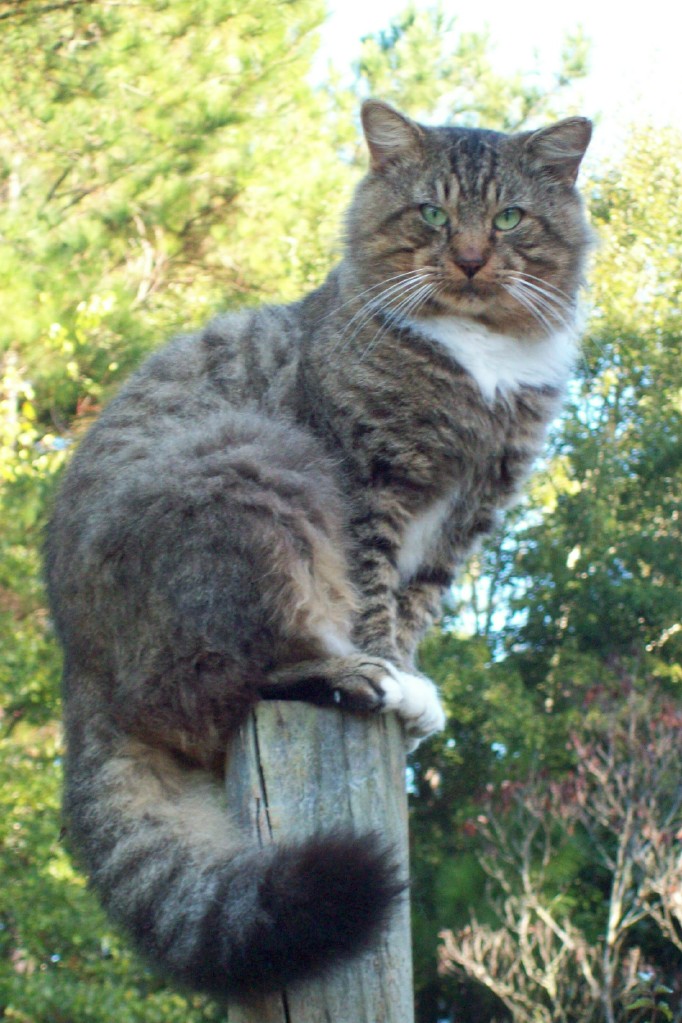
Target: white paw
415,700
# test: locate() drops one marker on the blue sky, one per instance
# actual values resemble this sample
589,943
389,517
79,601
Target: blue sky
636,61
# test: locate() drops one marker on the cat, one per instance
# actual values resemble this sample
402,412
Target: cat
273,507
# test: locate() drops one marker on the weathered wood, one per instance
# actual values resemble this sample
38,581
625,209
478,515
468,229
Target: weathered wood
295,770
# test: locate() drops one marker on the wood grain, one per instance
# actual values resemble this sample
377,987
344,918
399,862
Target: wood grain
295,770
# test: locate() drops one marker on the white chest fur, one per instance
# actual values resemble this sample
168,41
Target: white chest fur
499,363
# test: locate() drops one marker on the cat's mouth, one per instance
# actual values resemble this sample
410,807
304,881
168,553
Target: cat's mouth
472,294
486,300
502,298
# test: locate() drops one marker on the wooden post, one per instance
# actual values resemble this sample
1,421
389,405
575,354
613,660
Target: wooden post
294,770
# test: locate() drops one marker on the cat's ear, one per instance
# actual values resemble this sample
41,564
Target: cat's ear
560,148
389,135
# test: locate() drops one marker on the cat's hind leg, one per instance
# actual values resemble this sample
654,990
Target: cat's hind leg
229,540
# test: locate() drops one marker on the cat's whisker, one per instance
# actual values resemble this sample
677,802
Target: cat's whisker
364,313
570,305
524,275
530,303
394,315
369,309
368,312
410,305
417,276
538,310
390,314
378,300
560,307
591,341
547,290
380,284
548,308
398,313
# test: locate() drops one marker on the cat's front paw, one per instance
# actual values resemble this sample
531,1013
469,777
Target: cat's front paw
415,700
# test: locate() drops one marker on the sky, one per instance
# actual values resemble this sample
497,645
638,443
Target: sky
636,56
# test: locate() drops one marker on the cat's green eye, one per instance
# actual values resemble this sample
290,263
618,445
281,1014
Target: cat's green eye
434,216
508,219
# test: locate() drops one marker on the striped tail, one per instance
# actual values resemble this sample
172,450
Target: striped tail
202,905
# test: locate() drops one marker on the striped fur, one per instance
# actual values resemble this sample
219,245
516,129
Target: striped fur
273,507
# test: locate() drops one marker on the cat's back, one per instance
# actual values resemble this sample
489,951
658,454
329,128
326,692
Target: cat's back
192,401
235,361
197,451
239,363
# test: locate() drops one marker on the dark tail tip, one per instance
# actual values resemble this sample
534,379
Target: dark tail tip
321,902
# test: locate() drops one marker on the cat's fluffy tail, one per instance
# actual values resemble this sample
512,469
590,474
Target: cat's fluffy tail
203,906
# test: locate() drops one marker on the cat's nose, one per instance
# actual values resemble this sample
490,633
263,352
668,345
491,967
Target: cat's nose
470,263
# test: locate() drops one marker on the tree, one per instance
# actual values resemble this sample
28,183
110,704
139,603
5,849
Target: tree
146,149
599,570
147,178
137,148
564,949
423,59
579,595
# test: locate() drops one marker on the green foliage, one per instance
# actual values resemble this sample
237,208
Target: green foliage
649,1002
146,151
148,175
600,571
424,65
579,597
59,962
160,162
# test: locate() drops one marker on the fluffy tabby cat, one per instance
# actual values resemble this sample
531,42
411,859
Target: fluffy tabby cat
273,506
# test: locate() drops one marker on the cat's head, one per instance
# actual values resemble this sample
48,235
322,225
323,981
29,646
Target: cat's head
480,224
